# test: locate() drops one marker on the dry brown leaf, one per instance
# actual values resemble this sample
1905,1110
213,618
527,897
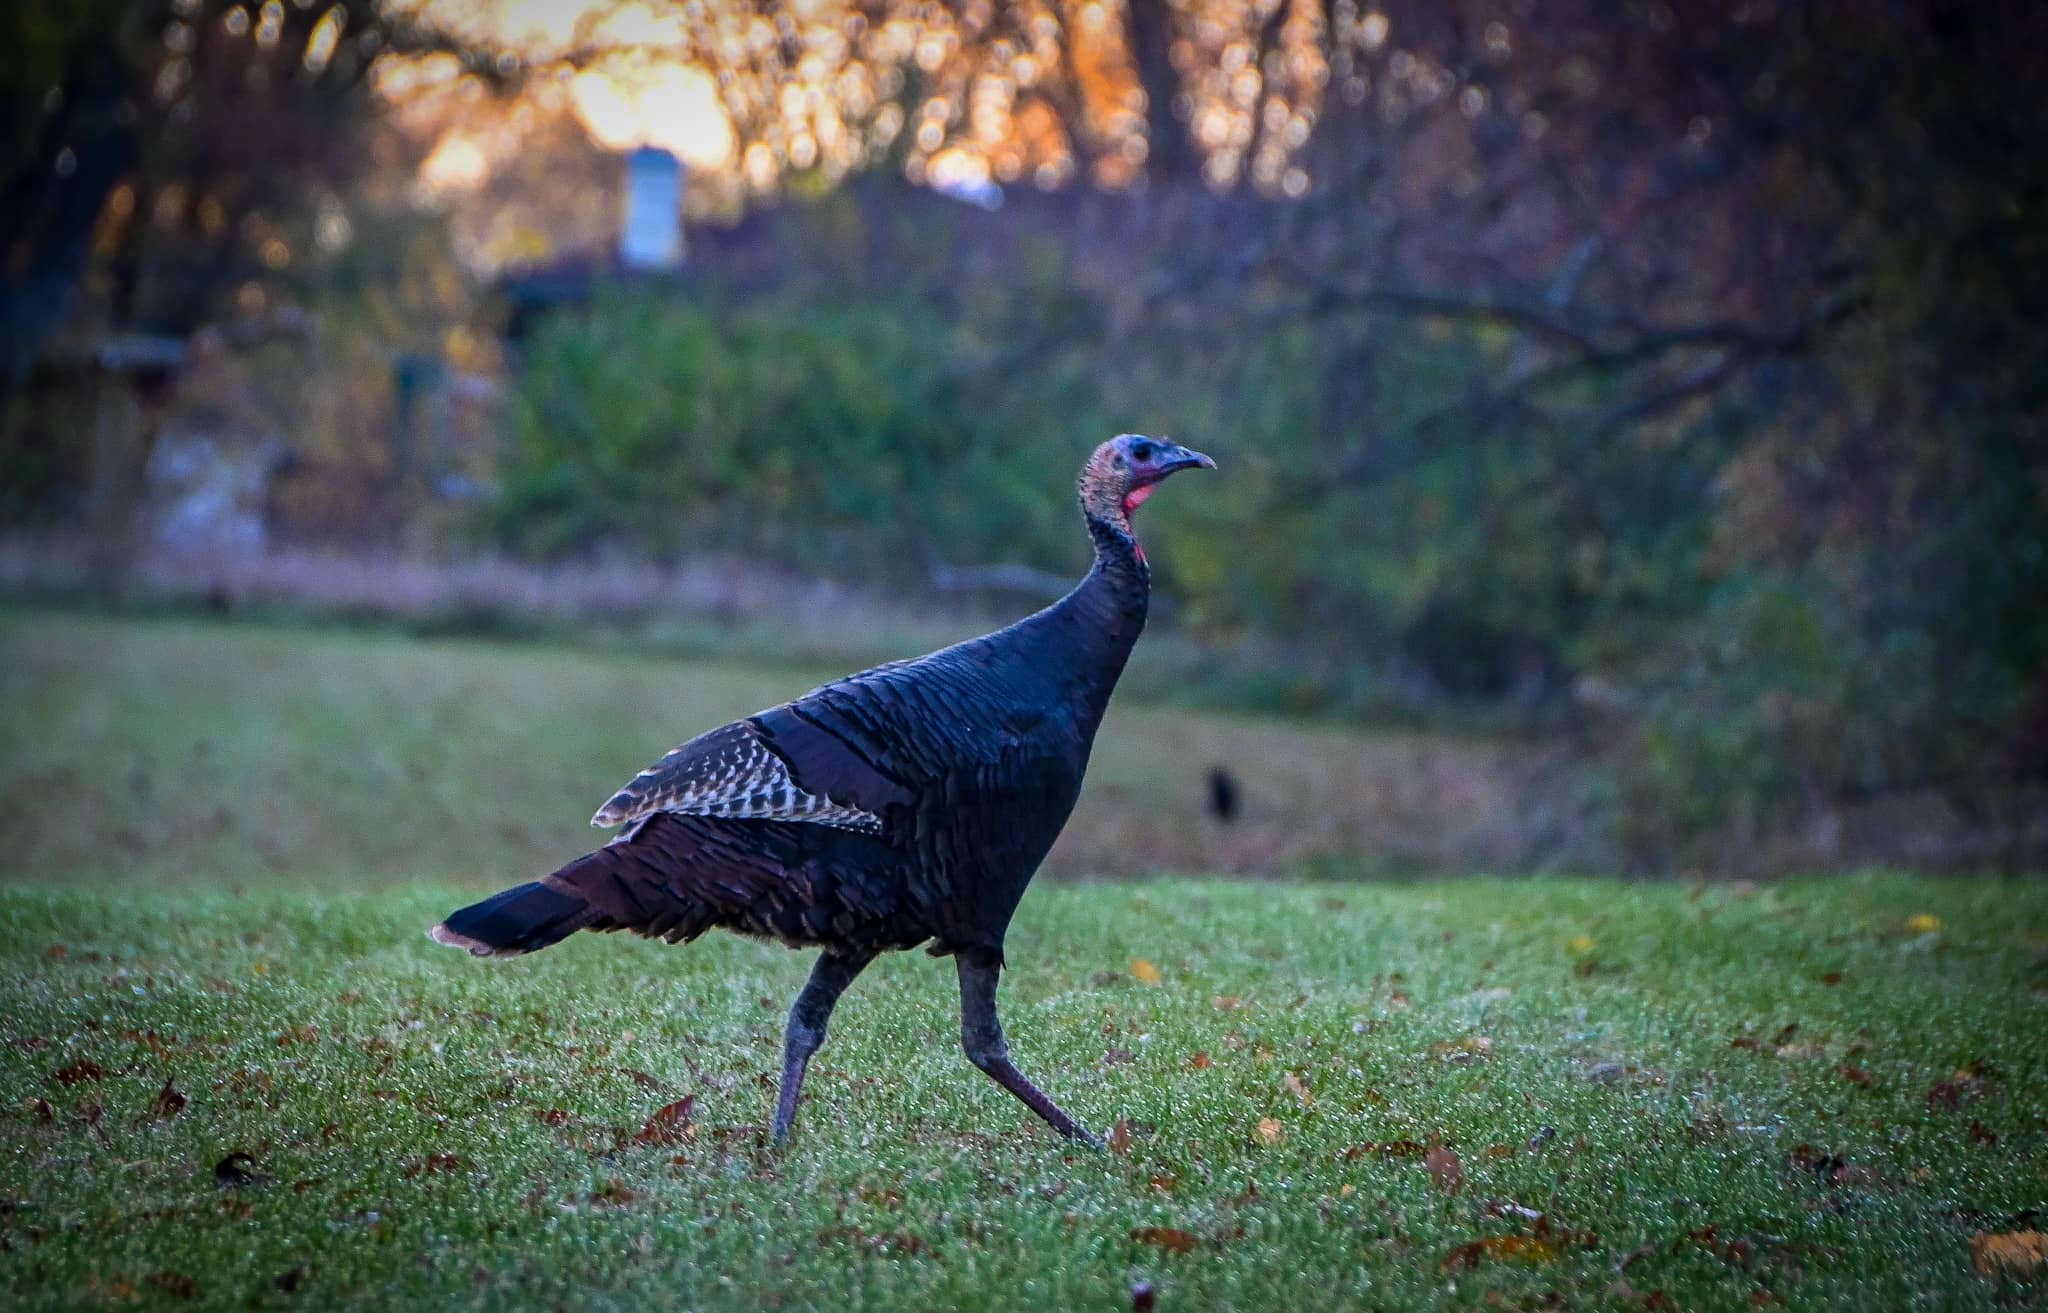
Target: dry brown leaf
2018,1252
175,1284
1271,1132
1523,1249
169,1101
1299,1089
1201,1062
615,1191
1445,1169
1170,1238
1145,971
670,1124
1120,1136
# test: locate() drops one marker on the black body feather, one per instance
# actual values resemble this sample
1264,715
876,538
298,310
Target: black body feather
972,757
908,804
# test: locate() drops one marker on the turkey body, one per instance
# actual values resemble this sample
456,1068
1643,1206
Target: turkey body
970,758
908,804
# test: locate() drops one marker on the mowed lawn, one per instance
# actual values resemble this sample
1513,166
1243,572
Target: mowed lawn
179,750
234,1072
1473,1094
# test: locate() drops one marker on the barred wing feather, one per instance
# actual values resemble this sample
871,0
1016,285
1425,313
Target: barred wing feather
775,766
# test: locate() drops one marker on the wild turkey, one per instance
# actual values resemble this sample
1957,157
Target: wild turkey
906,804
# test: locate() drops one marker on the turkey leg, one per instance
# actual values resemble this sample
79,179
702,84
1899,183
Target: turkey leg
808,1017
981,1034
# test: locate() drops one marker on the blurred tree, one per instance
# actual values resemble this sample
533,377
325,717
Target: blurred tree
1681,350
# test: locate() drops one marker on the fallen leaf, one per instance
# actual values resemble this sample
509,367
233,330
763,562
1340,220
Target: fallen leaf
1856,1075
1271,1132
1579,945
1299,1089
1144,971
81,1070
175,1284
1201,1062
1831,978
552,1116
434,1162
1170,1238
1120,1136
1445,1169
1921,923
1982,1134
169,1101
1516,1248
2019,1252
641,1078
614,1192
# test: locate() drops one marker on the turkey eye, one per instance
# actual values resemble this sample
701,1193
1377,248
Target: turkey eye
1141,451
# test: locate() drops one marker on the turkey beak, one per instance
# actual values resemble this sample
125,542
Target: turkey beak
1181,458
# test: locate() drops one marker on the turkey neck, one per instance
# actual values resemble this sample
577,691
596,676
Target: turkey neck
1104,614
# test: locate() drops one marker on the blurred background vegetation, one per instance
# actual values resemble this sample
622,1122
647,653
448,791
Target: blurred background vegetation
1660,384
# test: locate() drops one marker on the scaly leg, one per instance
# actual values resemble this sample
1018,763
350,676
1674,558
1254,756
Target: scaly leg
808,1018
981,1034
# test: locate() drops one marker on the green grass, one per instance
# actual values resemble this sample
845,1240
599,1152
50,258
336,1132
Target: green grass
1719,1096
220,846
175,750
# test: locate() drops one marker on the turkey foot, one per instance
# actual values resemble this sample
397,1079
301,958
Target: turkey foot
981,1034
808,1018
